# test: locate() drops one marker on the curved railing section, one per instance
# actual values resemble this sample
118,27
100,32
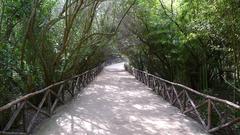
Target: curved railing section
19,117
214,114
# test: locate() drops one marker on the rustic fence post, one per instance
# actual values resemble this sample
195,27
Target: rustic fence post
184,101
24,113
49,102
72,87
209,114
63,93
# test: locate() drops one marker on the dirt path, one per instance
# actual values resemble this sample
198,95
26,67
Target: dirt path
117,104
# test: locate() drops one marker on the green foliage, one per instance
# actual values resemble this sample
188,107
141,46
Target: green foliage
43,41
191,42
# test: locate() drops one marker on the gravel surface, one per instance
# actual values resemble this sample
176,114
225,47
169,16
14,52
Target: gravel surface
117,104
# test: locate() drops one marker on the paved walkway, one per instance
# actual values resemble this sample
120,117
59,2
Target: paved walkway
117,104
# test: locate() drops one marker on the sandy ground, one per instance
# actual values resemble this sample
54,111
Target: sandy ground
117,104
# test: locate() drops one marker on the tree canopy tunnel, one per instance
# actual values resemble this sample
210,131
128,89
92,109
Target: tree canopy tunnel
187,41
45,41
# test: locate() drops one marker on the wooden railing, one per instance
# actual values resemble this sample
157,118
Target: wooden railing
19,117
216,115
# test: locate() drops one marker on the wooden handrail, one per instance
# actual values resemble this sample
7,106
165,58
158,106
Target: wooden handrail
4,107
52,95
192,90
181,96
29,96
38,92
